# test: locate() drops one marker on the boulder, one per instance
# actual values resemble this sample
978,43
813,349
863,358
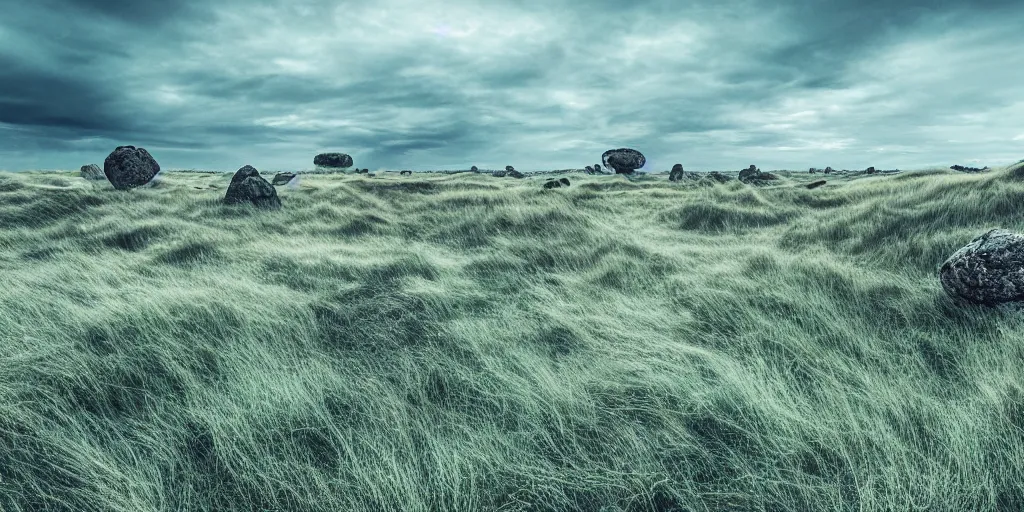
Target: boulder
717,176
597,168
92,172
499,174
509,168
514,174
623,160
282,178
754,176
828,170
553,183
812,170
129,167
677,173
403,173
248,186
989,270
815,184
870,170
473,169
588,169
332,160
968,169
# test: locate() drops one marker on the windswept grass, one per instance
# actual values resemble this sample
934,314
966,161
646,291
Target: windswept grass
463,342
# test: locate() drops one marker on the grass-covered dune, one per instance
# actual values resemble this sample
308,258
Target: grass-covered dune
464,342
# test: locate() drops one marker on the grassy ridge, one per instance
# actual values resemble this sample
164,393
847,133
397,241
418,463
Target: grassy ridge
461,342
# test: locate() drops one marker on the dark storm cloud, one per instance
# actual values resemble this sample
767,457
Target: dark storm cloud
535,84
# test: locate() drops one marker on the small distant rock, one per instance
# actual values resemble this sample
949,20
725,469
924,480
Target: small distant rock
129,167
404,173
623,160
509,168
989,270
597,168
282,178
676,174
340,160
553,183
248,186
473,169
92,172
968,169
870,170
717,176
815,184
828,170
588,169
754,176
515,174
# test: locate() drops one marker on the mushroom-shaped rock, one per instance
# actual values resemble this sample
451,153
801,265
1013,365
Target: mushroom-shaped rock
473,169
282,178
248,185
989,270
340,160
677,173
129,167
623,160
815,184
92,172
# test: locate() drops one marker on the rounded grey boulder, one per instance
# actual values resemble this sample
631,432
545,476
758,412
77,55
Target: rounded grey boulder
128,167
248,186
332,160
92,172
989,270
623,160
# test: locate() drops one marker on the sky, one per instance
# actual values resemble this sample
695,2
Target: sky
536,84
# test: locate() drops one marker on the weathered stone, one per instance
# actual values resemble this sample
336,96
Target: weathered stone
747,173
248,186
816,184
588,169
515,174
509,168
717,176
623,160
870,170
989,270
553,183
92,172
403,173
129,167
332,160
677,173
754,176
473,169
597,168
499,174
812,170
828,170
282,178
968,169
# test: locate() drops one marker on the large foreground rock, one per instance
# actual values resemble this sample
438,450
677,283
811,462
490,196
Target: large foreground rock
92,172
989,270
333,160
248,186
623,160
128,167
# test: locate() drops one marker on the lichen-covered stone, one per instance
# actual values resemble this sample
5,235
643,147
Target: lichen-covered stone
989,270
248,186
128,167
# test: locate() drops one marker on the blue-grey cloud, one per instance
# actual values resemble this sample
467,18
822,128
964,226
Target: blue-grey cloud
216,84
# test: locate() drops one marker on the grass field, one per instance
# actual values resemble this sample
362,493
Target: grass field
464,342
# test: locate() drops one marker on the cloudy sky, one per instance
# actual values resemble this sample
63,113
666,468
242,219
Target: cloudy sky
537,84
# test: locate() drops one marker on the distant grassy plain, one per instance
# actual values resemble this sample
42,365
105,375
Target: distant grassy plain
463,342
